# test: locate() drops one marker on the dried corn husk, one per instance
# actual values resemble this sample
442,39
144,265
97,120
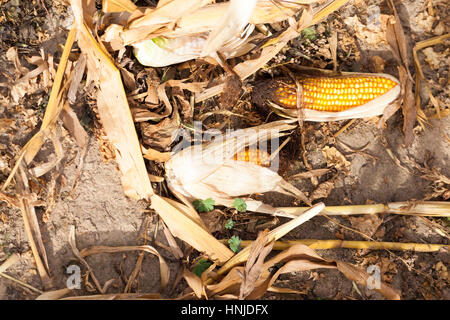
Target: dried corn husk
194,17
225,39
231,24
210,171
162,51
177,31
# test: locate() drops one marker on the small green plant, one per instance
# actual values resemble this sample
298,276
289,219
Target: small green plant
235,244
240,205
230,224
200,267
206,205
309,33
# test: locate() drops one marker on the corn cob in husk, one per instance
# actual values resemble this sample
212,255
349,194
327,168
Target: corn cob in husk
228,169
325,98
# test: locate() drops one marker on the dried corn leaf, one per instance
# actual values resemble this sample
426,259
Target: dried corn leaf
396,38
13,259
76,79
54,295
273,235
118,6
117,296
54,107
193,233
163,267
114,113
420,76
32,226
195,283
155,155
74,126
397,41
310,174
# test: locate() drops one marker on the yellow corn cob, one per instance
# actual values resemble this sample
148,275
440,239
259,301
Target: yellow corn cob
253,155
332,94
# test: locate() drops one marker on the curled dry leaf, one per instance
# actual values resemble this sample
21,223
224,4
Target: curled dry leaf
162,134
213,220
366,224
399,46
420,78
54,107
336,159
372,34
322,191
408,107
378,64
175,249
78,73
371,245
259,250
419,208
195,283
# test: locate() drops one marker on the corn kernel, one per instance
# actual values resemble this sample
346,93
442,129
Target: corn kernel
252,155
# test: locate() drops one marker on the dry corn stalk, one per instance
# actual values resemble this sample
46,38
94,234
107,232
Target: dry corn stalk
358,95
371,245
417,208
215,171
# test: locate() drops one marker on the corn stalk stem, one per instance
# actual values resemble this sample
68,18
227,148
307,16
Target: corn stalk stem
417,208
371,245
